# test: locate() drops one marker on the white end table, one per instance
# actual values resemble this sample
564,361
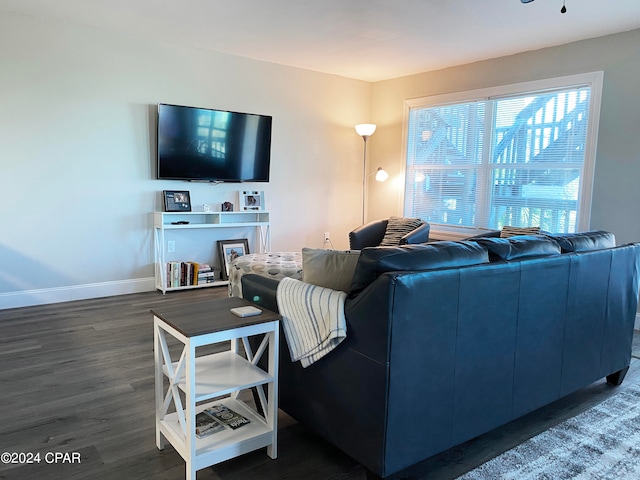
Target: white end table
206,378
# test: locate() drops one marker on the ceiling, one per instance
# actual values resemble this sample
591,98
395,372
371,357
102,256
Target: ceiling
364,39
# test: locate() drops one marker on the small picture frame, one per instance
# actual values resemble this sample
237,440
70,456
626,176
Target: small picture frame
251,200
177,200
229,250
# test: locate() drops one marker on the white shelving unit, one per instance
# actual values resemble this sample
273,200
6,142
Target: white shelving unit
166,222
203,380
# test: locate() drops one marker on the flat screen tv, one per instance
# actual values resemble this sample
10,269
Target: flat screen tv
201,144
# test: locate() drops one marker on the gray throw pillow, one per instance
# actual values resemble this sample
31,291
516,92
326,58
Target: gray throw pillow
332,269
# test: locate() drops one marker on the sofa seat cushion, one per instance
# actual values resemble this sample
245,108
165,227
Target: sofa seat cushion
519,247
375,261
584,241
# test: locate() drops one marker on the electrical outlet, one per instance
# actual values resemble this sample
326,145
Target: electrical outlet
326,237
171,246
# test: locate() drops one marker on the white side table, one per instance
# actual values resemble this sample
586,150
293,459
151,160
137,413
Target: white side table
204,378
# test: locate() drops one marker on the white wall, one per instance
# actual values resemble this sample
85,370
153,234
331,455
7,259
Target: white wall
77,146
616,195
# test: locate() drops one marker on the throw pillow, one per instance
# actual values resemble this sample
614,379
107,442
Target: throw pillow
329,268
508,231
398,227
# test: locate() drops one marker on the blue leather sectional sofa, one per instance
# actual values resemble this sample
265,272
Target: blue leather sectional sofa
449,340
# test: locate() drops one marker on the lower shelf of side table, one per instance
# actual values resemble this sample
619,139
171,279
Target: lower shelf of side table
224,445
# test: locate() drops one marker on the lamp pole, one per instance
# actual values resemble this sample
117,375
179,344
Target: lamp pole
365,130
364,176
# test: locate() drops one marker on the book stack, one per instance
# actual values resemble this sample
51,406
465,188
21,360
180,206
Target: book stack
206,274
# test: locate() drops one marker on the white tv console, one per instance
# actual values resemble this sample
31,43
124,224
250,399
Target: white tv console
166,222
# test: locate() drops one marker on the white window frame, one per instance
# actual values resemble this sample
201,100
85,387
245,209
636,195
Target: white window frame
594,80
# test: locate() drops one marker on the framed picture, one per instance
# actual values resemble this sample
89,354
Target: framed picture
177,201
229,250
251,200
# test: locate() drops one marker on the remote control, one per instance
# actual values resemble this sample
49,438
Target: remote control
247,311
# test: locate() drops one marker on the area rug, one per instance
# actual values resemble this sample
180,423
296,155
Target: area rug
600,443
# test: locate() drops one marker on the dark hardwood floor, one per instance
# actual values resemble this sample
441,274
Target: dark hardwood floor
77,378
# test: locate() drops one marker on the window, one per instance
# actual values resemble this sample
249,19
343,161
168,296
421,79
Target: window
520,155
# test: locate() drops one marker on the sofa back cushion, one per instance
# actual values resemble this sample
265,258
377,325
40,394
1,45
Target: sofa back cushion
519,247
377,260
584,241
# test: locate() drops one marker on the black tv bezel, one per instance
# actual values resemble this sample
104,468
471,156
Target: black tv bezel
210,180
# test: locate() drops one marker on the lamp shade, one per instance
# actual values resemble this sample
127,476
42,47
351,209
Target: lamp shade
381,175
365,129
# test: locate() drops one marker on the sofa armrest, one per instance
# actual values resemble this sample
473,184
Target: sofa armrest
419,235
260,290
369,235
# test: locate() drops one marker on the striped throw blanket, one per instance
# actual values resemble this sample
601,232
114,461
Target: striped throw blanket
312,319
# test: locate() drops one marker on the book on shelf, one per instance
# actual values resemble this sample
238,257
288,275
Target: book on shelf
192,273
226,416
174,274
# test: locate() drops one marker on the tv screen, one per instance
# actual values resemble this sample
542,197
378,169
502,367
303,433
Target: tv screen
212,145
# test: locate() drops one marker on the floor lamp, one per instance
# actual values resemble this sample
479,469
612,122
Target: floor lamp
365,130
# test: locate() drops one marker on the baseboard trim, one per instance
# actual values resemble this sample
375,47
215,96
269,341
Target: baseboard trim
43,296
